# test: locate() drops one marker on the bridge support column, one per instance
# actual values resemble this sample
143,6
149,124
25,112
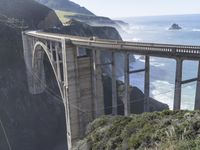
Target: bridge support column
178,80
197,97
114,86
70,93
97,84
146,84
127,89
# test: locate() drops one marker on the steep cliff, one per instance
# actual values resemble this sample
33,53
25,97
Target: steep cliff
96,21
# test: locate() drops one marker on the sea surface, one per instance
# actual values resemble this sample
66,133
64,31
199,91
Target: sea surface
155,29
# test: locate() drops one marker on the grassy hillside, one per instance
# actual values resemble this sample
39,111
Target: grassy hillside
167,130
64,15
65,5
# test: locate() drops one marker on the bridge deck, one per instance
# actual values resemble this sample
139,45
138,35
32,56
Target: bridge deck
151,49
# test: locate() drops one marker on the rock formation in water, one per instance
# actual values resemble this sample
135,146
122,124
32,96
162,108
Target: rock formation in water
175,27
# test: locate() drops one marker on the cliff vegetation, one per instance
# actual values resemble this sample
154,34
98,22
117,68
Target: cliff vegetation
167,130
65,5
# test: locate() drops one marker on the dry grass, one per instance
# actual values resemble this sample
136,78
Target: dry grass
64,15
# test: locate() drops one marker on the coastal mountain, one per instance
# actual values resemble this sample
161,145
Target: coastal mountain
65,5
30,12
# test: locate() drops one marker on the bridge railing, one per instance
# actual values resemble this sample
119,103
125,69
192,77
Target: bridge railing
139,48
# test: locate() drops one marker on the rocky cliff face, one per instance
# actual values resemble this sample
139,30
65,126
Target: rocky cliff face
78,28
96,21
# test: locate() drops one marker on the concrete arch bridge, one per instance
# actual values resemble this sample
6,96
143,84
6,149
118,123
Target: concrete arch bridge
79,76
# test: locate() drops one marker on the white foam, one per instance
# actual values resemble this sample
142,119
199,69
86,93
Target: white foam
196,30
153,62
163,91
157,64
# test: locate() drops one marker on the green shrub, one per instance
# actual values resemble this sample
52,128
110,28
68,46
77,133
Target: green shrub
167,130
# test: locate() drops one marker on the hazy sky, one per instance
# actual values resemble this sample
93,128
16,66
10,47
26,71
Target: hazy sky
127,8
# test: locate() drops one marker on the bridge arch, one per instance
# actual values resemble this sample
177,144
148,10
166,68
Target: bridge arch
39,50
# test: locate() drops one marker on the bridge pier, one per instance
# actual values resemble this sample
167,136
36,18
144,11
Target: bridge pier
147,84
114,86
178,84
97,84
127,110
70,94
197,96
127,72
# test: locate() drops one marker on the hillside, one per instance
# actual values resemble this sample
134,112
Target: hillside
29,11
92,20
66,10
167,130
65,5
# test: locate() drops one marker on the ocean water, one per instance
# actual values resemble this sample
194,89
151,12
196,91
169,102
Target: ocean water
155,29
